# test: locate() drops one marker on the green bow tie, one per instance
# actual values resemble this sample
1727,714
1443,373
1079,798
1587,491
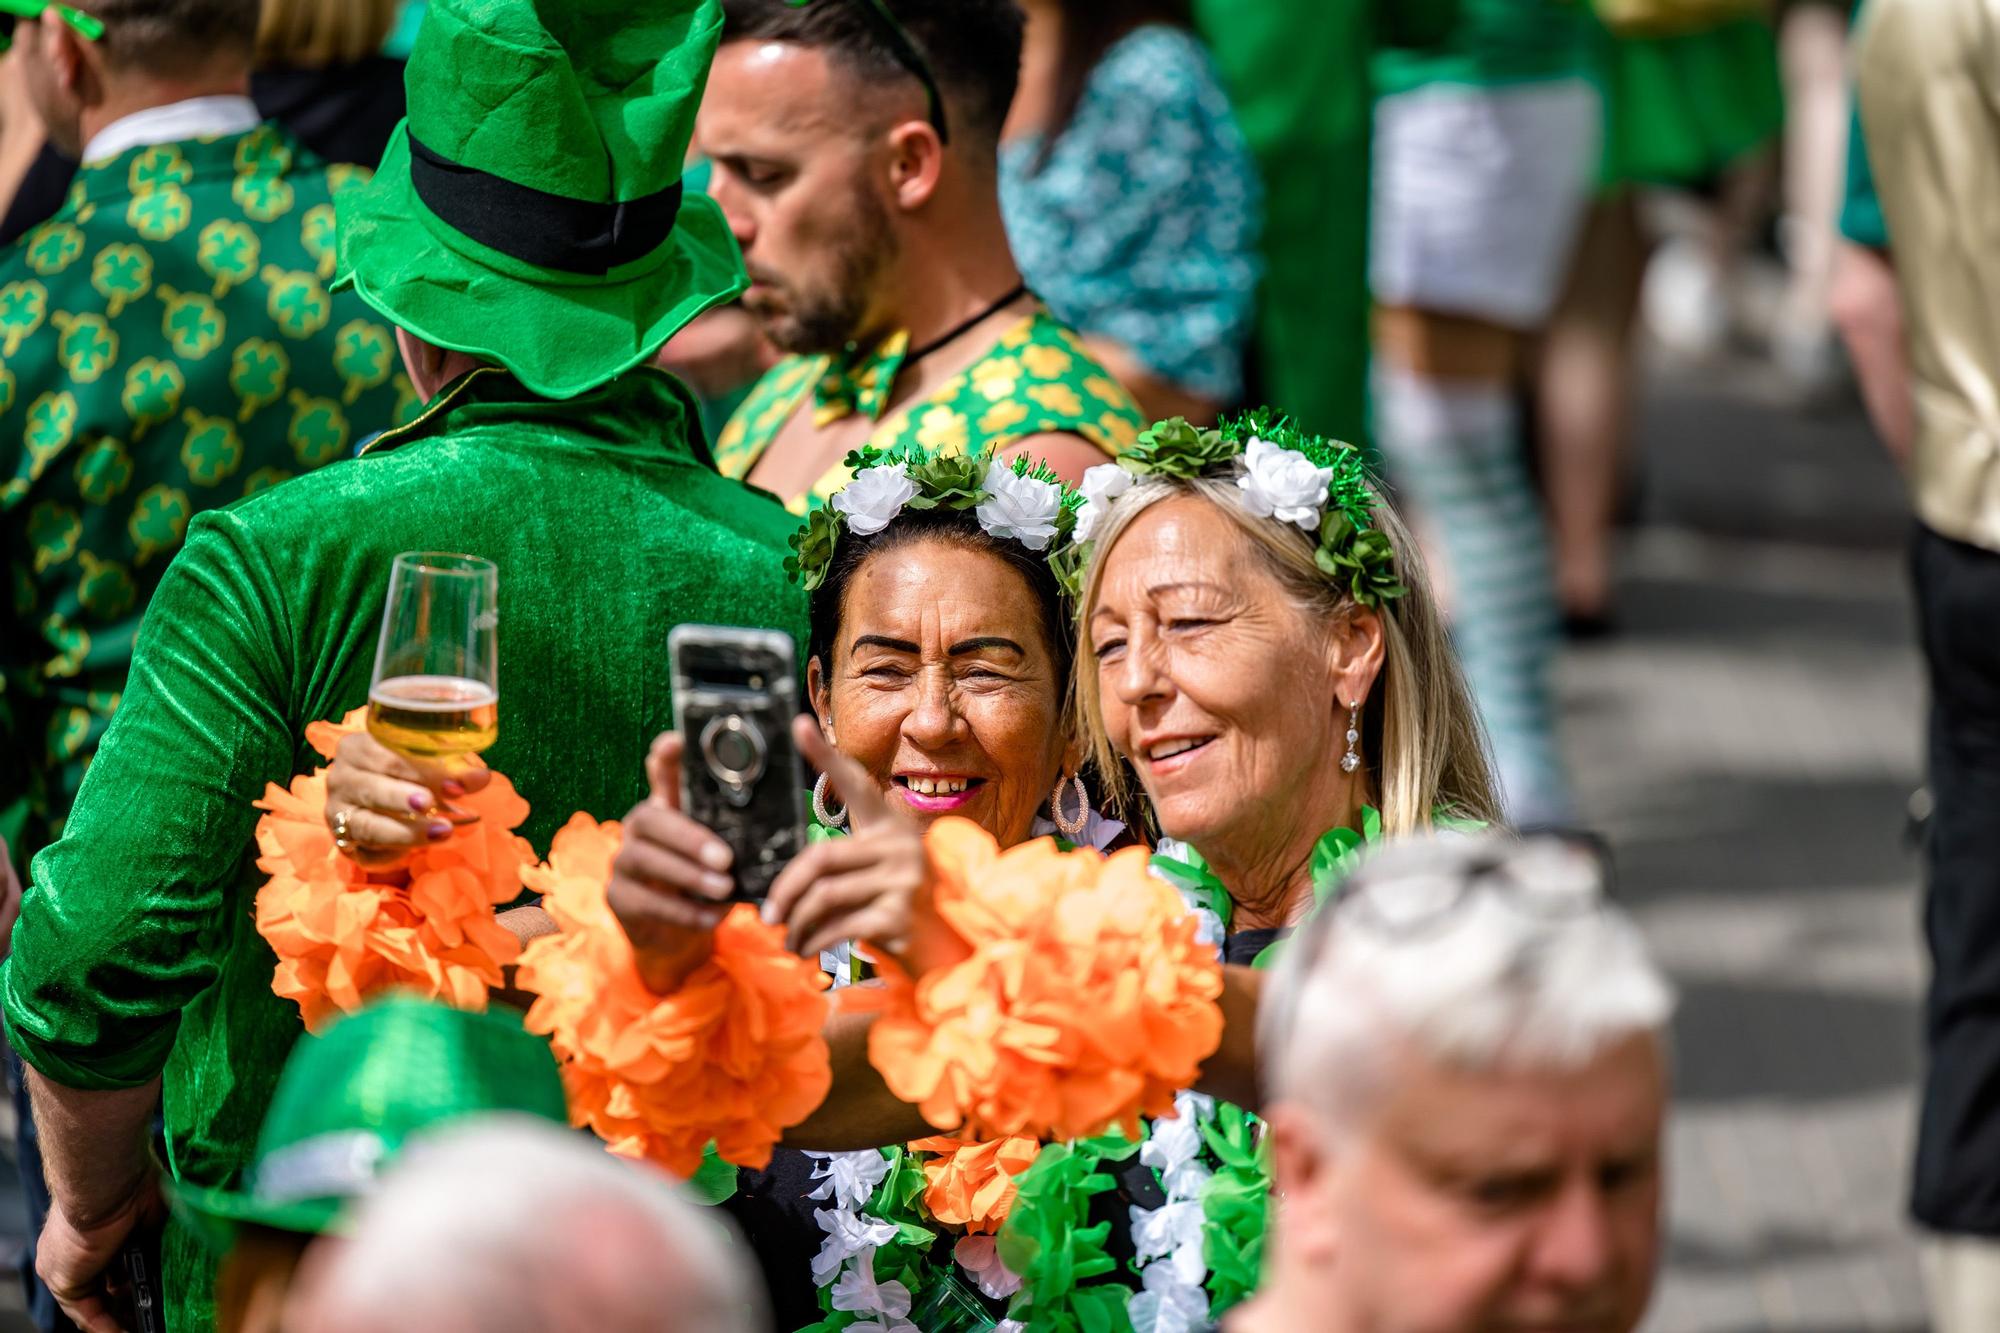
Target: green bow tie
858,381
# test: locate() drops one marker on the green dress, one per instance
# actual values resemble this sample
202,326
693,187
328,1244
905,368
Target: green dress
1036,380
136,951
167,346
1681,107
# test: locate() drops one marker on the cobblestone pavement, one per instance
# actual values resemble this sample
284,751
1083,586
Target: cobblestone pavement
1750,742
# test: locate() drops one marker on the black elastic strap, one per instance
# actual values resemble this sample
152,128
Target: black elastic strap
535,227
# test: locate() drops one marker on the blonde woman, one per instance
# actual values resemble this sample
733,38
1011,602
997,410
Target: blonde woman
320,70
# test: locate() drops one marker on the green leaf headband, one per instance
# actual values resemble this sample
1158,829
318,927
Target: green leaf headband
1284,473
1019,501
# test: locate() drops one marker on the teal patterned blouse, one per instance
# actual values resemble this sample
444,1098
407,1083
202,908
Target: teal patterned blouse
1142,226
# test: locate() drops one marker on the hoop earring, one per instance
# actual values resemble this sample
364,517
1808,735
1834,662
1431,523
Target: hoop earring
1072,829
826,817
1352,759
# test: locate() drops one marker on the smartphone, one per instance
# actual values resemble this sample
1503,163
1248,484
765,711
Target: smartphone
735,695
133,1285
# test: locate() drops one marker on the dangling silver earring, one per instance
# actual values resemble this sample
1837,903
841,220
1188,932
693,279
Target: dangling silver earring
1352,759
1072,829
828,818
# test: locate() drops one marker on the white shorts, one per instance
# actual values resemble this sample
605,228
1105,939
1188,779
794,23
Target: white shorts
1479,194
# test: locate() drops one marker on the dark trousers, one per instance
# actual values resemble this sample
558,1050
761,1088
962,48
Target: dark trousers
1956,1185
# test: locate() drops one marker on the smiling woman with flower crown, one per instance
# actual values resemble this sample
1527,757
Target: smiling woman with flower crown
1264,660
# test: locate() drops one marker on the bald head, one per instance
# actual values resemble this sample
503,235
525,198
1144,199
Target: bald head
518,1227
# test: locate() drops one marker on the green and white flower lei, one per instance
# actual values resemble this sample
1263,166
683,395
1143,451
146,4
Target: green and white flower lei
882,1268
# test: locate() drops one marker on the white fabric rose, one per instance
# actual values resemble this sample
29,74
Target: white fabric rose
1167,1304
1022,508
858,1291
1283,484
876,495
847,1234
849,1179
1101,485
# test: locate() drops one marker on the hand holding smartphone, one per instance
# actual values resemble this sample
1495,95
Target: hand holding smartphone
735,695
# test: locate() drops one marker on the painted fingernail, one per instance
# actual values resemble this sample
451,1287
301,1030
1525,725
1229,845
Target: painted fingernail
716,856
439,830
420,801
453,788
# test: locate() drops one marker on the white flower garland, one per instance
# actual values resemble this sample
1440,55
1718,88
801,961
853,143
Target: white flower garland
1017,508
1168,1240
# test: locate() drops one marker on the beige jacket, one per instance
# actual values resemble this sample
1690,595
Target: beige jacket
1928,73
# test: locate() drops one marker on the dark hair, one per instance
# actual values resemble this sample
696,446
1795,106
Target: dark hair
960,528
1090,28
169,36
973,46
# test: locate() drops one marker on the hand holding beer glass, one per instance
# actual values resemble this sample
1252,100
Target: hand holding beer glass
435,695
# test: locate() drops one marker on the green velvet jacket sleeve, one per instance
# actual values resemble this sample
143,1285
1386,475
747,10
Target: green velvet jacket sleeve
124,915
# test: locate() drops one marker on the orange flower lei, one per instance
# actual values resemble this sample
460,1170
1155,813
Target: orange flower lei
343,935
1084,1001
735,1055
972,1182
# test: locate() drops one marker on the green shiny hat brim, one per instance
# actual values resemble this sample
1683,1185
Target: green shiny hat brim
560,334
214,1215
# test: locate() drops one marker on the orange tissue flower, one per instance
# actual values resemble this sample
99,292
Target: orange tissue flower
972,1182
1085,1001
342,934
735,1055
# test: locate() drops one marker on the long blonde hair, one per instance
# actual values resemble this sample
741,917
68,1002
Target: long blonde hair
317,34
1419,729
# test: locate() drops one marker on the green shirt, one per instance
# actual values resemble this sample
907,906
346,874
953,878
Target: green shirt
1497,42
136,950
1036,380
167,346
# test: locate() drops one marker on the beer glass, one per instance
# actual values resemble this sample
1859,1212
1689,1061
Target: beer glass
435,695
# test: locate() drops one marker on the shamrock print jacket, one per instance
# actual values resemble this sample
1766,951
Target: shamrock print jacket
167,345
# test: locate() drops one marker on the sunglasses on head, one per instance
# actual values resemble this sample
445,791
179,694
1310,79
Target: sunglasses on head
903,47
12,12
1549,874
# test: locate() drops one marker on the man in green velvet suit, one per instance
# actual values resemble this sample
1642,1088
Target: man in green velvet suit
167,346
527,236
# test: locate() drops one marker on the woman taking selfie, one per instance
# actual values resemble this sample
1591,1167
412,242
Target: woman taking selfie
938,666
1261,658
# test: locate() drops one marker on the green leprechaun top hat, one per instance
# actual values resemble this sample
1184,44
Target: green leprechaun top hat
529,211
350,1099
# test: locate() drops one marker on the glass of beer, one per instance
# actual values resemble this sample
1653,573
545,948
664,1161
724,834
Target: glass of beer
435,696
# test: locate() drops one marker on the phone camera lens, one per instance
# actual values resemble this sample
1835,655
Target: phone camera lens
734,750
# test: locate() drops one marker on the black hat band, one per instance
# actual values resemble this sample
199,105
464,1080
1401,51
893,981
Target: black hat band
547,230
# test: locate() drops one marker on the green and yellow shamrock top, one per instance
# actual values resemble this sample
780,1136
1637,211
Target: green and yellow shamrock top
1037,379
167,345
